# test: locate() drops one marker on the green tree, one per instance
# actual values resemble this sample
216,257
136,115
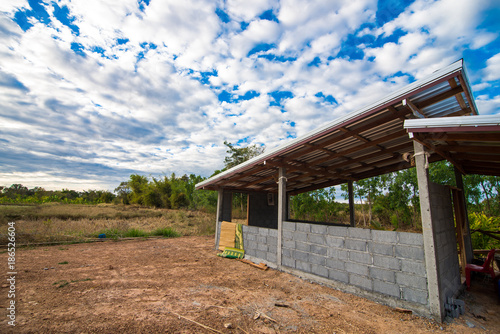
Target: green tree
240,155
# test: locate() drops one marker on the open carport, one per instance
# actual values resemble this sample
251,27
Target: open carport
432,119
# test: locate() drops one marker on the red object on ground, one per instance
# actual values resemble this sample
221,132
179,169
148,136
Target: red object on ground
486,268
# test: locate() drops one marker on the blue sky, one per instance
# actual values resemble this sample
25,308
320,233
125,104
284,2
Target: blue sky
91,92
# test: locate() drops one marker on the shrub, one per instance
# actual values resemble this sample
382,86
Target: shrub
166,232
479,221
134,233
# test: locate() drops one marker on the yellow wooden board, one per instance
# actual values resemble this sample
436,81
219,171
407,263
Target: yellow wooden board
227,235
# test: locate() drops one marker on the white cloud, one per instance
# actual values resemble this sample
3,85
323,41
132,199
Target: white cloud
147,108
492,69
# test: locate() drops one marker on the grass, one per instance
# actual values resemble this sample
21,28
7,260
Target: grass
166,232
79,223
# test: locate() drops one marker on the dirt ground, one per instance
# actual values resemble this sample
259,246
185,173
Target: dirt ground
180,285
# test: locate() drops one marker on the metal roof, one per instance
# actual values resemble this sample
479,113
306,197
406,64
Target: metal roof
363,143
472,144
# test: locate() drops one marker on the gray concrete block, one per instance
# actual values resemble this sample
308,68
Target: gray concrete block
389,237
302,265
337,253
359,233
289,244
319,270
302,256
334,241
317,259
360,257
321,250
380,248
262,247
261,254
386,262
303,227
414,267
272,241
287,235
316,239
353,244
273,233
416,296
251,251
251,229
409,252
271,257
338,275
300,236
261,239
288,261
383,274
386,288
415,239
287,252
289,226
249,236
335,264
250,245
361,281
302,246
416,282
337,231
264,231
319,229
356,268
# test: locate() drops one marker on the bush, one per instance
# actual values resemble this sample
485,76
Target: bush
166,232
479,221
134,233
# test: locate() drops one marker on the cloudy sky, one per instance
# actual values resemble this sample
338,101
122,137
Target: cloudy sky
92,91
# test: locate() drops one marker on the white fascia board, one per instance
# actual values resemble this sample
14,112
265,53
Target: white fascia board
456,121
395,96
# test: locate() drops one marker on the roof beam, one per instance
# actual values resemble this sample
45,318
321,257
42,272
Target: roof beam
384,139
460,99
439,151
343,136
414,109
439,97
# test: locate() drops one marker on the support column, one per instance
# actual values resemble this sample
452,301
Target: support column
469,253
431,262
218,219
351,203
282,211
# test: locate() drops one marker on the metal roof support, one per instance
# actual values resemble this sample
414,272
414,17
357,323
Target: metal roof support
351,203
282,211
430,248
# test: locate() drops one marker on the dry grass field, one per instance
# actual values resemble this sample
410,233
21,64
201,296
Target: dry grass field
51,223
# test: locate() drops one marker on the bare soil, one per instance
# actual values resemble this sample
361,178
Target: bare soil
180,285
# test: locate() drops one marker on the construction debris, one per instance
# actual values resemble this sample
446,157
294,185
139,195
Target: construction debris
261,266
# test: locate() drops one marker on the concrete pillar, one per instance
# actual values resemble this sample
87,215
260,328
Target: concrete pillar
218,219
469,253
351,203
431,261
282,211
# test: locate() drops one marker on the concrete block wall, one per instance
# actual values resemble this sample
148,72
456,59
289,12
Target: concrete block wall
446,242
385,262
260,242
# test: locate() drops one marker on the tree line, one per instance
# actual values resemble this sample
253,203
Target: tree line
386,201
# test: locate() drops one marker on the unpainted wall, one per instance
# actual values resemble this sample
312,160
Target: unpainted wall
446,242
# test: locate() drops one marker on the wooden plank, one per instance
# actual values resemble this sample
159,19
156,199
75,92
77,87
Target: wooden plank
227,235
